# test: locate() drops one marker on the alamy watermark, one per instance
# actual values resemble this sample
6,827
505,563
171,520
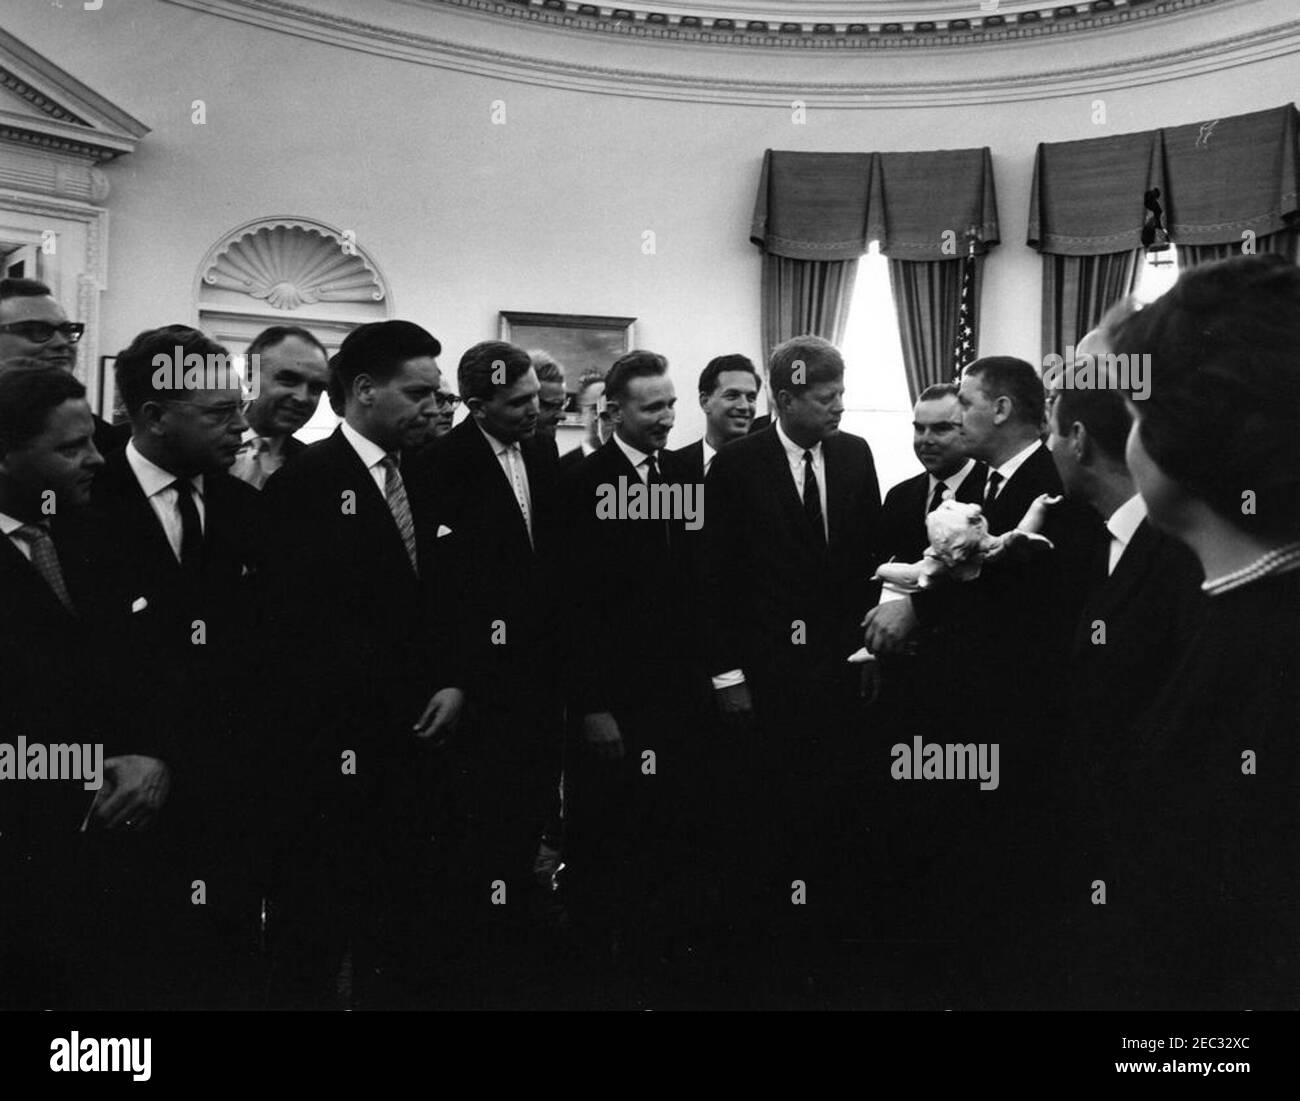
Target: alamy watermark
177,371
633,500
946,761
1130,373
26,760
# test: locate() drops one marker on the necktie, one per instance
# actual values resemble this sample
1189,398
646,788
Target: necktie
191,529
46,560
399,506
936,498
991,490
812,498
653,479
515,462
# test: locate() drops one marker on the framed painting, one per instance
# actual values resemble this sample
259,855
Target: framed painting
578,342
110,405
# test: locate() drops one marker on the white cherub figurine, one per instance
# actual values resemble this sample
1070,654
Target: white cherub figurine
960,544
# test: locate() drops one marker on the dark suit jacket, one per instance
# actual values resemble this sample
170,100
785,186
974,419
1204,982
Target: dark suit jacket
765,568
902,516
691,458
54,691
630,630
1150,609
110,437
185,687
570,461
352,624
488,570
1014,623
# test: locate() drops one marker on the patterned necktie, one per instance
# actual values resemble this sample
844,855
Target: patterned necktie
812,498
46,560
936,498
399,506
191,529
991,490
515,463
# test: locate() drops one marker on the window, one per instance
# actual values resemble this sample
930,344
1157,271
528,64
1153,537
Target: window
876,402
1157,272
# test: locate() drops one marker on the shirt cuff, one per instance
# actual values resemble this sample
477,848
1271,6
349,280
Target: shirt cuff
729,679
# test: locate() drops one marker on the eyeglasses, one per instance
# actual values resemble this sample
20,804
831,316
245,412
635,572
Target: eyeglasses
42,332
446,401
218,414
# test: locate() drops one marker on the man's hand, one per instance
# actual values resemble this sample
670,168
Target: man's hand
889,627
441,716
602,735
735,705
134,791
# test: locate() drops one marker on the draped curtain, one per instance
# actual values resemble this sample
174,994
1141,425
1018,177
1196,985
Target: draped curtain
1285,243
1220,182
815,214
927,296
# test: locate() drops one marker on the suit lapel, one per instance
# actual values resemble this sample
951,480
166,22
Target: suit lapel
779,472
139,522
838,490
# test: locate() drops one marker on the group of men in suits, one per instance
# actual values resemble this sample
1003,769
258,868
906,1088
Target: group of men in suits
346,682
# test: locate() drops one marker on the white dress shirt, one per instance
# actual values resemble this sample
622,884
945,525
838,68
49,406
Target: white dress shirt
1122,525
511,458
794,454
371,455
159,487
9,525
951,484
1013,464
709,452
260,458
637,458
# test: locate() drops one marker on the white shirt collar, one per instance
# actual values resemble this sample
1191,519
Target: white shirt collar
1008,469
953,481
154,479
1125,520
793,449
709,452
10,524
498,447
370,453
635,457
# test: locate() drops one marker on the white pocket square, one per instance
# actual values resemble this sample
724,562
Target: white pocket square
443,529
139,604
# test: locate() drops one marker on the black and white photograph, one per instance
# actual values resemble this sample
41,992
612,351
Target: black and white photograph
694,507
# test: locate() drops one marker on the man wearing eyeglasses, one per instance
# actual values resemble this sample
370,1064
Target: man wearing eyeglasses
35,332
174,562
445,411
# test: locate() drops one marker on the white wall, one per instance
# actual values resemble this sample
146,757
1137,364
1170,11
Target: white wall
547,211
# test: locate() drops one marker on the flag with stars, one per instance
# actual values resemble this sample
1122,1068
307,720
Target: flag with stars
964,351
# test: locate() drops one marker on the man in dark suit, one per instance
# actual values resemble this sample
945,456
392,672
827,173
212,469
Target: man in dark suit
949,474
35,332
491,488
596,418
53,686
631,698
1010,627
174,558
291,369
791,540
348,599
728,393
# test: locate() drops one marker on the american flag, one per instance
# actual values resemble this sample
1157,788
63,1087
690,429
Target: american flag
964,351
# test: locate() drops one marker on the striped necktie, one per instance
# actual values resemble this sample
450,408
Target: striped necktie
399,506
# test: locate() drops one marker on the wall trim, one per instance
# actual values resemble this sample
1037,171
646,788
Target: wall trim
1152,68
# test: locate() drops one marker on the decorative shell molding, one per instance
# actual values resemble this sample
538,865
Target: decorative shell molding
290,263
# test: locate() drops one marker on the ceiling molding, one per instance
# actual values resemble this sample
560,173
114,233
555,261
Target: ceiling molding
769,31
388,42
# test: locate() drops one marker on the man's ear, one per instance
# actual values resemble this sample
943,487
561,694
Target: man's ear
1081,445
363,389
704,400
150,417
1001,410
